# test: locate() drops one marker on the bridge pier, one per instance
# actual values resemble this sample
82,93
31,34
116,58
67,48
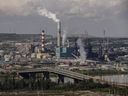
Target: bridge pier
32,75
76,81
28,75
46,76
60,79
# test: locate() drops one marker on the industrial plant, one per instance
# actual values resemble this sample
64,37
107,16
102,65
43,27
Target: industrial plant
63,59
63,48
82,50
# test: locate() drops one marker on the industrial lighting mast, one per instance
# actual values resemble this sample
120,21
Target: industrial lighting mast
43,40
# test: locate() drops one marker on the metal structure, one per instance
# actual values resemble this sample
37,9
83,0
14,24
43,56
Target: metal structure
43,40
61,74
61,50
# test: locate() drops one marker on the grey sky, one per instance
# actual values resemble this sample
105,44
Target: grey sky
21,16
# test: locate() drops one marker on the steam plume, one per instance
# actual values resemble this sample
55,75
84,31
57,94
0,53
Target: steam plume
82,51
48,14
64,37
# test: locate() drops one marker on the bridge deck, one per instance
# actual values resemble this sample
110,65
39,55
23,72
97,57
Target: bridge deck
64,72
70,74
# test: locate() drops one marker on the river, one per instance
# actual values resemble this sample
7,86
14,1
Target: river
121,79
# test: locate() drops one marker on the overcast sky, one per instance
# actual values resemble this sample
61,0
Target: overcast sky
77,16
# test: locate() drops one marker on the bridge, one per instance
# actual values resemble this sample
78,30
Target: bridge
30,73
60,72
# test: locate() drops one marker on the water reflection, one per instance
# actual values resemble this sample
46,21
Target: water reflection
66,80
122,79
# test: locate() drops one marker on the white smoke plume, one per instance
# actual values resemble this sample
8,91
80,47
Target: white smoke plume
48,14
64,36
82,51
85,8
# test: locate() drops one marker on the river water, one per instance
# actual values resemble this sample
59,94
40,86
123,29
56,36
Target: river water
120,79
66,80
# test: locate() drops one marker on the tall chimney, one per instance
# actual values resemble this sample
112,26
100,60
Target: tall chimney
43,40
59,35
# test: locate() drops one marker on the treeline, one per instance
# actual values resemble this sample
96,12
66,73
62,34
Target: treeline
11,83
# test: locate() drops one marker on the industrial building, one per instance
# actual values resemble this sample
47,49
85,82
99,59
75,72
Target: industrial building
63,51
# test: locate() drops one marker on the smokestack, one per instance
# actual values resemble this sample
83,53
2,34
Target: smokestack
59,35
43,40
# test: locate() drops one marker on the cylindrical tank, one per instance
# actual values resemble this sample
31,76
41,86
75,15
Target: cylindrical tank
38,55
6,58
33,55
37,50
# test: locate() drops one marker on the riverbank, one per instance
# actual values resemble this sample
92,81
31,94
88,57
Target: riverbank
100,72
51,93
14,86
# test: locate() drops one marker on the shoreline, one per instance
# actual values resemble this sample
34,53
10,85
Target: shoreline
51,93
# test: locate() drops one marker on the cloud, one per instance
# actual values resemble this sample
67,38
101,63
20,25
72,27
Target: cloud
93,8
124,9
74,14
17,7
84,8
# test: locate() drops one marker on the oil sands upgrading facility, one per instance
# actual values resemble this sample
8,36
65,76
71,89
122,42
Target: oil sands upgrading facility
70,49
64,49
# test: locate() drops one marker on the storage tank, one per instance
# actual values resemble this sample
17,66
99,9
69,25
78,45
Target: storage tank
38,55
7,58
33,55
